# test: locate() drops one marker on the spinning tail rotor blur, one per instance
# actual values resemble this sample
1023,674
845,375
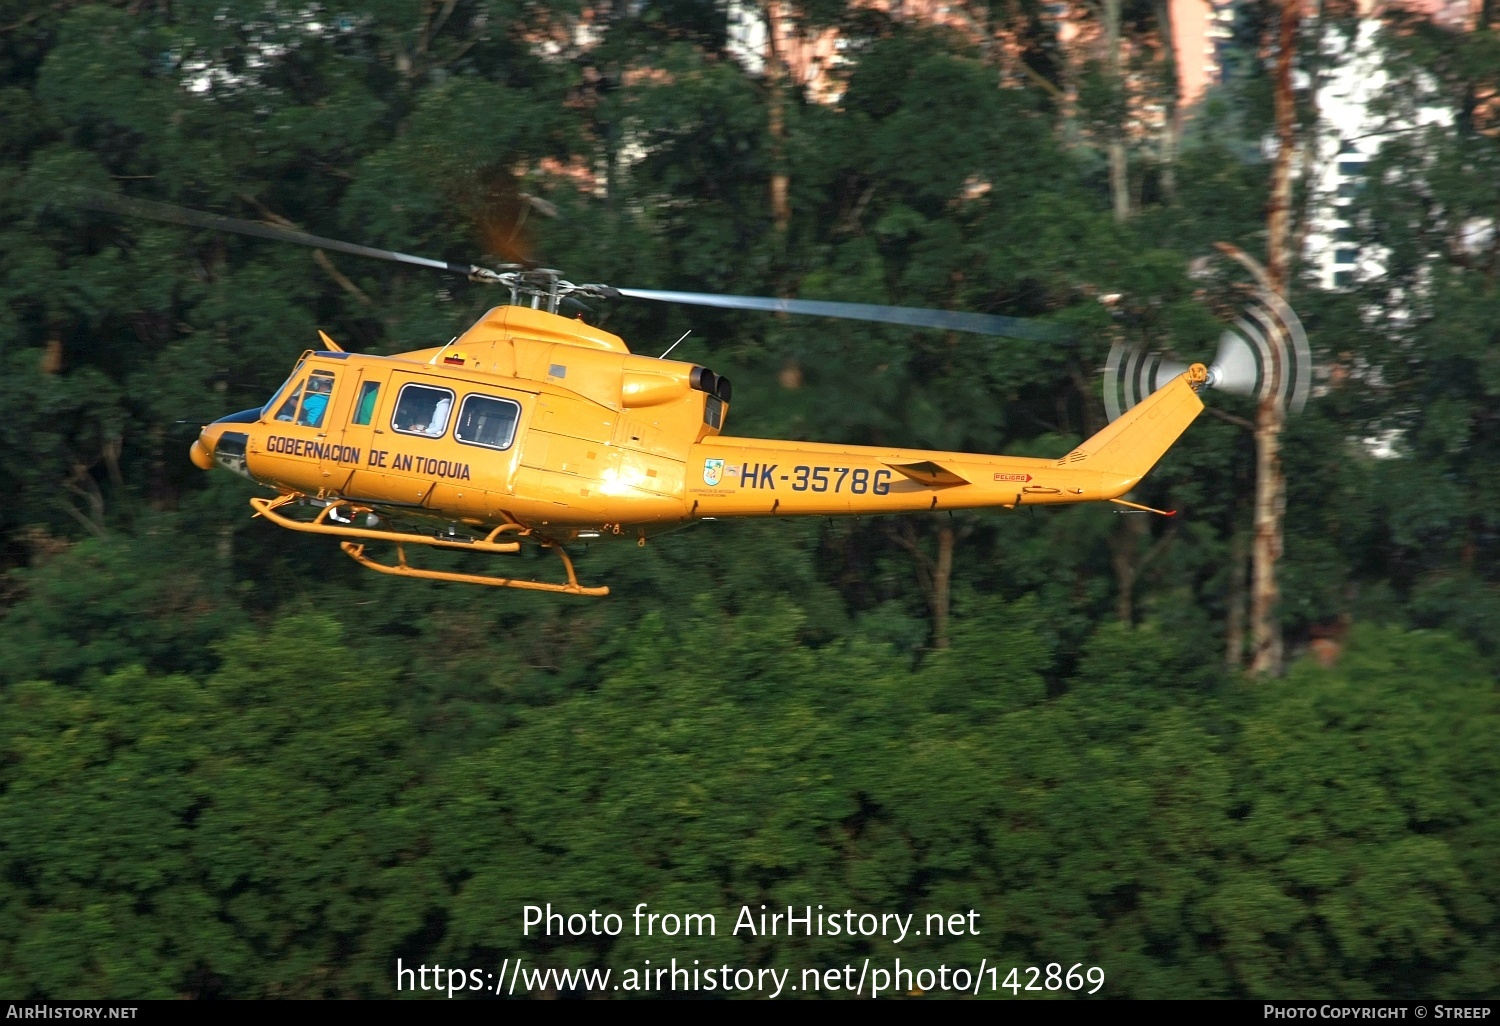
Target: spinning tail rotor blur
1263,354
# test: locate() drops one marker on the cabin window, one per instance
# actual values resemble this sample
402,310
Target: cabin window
485,420
315,400
422,410
364,409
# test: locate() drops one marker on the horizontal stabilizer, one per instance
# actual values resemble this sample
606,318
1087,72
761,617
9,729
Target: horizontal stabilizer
928,473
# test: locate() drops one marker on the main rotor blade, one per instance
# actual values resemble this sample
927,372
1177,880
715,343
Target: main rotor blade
915,317
197,219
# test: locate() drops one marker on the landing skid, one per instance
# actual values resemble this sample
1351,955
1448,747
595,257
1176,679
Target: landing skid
401,569
327,522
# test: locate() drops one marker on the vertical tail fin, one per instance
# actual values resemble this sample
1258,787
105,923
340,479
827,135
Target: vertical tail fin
1136,441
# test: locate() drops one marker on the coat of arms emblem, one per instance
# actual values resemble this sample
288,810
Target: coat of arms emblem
713,470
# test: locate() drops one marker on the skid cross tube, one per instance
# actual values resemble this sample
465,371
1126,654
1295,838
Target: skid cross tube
268,508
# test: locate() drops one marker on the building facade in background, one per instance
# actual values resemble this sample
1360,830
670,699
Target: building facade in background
1204,46
1351,130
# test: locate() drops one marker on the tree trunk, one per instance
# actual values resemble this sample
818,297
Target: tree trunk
781,211
1130,563
935,577
1270,483
1119,181
1172,116
1119,176
942,579
1270,509
52,357
1124,542
1234,618
157,491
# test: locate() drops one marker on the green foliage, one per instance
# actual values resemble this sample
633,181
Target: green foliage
97,608
281,828
1366,808
175,834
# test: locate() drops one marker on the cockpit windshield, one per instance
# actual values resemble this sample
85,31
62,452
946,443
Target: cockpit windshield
296,372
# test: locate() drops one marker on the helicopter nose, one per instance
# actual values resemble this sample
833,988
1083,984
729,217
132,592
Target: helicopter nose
201,452
211,443
219,446
205,447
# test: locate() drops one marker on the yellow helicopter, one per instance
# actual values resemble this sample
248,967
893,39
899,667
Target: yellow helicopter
539,427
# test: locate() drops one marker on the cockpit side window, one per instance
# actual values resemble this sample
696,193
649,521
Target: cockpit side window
315,402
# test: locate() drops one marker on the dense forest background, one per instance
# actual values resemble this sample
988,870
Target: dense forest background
232,763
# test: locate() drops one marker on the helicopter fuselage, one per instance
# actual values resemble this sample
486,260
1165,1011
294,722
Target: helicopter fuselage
552,425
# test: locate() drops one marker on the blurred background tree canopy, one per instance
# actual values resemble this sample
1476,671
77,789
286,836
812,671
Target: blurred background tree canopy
234,764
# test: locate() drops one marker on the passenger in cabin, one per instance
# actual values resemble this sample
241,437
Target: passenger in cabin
365,411
439,422
422,410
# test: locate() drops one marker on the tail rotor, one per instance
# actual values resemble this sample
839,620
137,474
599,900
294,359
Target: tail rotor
1264,354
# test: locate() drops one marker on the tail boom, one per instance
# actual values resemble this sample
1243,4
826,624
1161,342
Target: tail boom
764,477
